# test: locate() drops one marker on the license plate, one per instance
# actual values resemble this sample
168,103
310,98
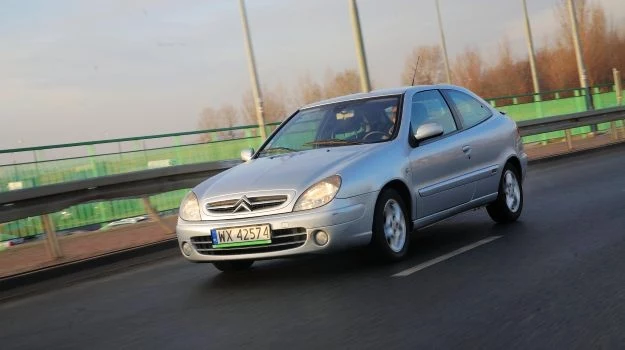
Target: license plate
241,236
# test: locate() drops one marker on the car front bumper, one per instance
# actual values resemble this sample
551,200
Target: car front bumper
347,222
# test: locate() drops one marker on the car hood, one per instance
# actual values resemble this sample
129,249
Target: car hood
294,171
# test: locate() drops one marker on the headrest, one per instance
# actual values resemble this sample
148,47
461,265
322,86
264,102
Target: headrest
348,125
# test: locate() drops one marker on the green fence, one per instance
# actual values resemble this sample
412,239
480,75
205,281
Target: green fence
37,166
552,103
132,154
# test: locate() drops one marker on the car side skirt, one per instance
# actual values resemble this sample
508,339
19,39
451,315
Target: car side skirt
445,214
459,181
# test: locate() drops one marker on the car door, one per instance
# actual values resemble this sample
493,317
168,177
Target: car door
438,165
481,138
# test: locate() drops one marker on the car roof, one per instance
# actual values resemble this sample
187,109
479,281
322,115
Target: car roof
379,93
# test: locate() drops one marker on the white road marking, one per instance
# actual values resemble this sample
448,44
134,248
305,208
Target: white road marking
444,257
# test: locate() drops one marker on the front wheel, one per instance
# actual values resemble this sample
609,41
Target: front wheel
509,203
391,226
233,266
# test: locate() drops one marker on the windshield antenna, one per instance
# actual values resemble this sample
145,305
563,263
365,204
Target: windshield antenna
416,68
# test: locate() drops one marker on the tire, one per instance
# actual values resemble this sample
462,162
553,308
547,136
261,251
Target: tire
234,265
509,203
391,228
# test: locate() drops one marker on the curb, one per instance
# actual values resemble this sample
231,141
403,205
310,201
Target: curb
25,279
576,153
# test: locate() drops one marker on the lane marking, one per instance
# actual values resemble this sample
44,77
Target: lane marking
444,257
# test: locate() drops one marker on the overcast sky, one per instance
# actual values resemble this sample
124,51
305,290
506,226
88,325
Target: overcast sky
76,70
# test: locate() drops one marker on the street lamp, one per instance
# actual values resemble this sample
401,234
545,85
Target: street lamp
443,44
581,68
365,83
258,98
530,50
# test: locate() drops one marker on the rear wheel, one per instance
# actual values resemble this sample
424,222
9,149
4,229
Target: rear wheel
391,228
509,203
234,265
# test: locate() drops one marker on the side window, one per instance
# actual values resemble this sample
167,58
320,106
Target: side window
430,106
471,110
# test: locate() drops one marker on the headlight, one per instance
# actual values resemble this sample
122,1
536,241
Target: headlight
319,194
190,208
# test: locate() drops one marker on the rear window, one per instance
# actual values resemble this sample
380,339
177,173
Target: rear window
471,110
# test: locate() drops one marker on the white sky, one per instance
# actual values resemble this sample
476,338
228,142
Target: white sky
77,70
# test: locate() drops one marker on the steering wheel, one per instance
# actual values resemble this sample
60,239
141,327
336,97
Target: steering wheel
370,133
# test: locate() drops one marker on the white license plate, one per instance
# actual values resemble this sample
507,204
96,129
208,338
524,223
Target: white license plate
241,236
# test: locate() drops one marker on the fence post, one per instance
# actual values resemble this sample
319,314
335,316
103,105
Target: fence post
178,144
578,104
569,140
154,216
538,104
618,89
52,241
92,161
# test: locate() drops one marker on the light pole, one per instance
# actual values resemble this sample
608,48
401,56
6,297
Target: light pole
443,44
581,68
258,98
530,49
365,83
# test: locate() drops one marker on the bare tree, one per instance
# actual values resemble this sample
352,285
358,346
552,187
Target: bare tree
431,69
508,76
308,91
597,46
603,48
342,83
274,107
468,69
224,117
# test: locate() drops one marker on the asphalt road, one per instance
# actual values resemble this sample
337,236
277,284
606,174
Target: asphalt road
554,280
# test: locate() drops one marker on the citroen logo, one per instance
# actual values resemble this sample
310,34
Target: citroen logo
242,204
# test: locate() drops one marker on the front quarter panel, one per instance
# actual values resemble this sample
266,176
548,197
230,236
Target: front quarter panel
371,173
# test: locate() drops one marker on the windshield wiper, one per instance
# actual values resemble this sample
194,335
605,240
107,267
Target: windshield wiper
276,150
331,142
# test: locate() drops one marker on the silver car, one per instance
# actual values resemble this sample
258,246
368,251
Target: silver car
363,169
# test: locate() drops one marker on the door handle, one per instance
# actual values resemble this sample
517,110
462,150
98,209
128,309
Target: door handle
467,151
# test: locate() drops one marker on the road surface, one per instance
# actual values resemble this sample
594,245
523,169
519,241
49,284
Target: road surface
554,280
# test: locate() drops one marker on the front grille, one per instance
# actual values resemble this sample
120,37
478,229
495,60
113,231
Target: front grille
280,240
244,204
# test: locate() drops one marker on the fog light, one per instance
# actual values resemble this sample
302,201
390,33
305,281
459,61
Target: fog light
187,249
321,238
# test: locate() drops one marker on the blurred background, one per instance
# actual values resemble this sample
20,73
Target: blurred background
104,69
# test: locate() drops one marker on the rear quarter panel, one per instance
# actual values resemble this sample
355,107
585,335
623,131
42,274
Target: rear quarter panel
495,140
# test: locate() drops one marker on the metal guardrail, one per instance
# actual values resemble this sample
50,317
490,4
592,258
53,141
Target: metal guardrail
570,121
51,198
48,199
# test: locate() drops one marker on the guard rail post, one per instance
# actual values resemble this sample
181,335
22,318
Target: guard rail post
153,214
52,241
569,139
618,89
618,86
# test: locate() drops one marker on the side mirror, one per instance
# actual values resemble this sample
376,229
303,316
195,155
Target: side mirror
247,154
428,131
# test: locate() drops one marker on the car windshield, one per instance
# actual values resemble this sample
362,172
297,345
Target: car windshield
334,125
